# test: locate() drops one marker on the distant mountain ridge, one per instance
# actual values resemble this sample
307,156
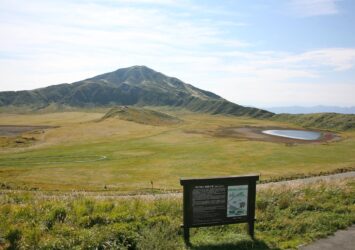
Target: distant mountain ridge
137,85
313,109
329,121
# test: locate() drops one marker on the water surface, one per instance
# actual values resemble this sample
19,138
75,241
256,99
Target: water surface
295,134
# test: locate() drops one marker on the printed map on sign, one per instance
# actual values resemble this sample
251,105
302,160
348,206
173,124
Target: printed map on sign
237,201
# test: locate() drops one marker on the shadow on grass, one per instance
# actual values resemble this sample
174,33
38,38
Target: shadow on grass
242,245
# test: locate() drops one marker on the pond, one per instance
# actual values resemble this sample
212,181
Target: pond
295,134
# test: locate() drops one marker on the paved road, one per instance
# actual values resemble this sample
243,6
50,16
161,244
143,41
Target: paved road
341,240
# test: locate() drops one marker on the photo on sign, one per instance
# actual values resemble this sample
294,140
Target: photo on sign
237,201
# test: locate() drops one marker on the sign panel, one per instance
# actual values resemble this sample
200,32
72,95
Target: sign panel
219,201
237,201
208,204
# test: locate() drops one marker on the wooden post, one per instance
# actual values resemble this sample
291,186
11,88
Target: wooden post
252,197
251,229
187,236
186,221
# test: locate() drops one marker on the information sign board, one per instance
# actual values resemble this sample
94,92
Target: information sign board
219,201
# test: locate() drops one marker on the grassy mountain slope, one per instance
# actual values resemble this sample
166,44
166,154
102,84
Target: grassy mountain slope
141,115
137,85
330,121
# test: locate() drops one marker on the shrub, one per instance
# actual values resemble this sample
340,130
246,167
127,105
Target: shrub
284,201
262,204
92,220
160,235
57,215
13,236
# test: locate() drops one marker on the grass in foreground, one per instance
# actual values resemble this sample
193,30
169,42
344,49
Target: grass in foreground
286,218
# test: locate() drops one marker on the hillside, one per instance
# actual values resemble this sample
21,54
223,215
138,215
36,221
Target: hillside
330,121
312,109
141,115
137,85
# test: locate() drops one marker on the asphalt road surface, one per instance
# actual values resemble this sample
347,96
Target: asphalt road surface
341,240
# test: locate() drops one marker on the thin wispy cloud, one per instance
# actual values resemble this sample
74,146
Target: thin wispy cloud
307,8
50,42
336,59
273,77
117,35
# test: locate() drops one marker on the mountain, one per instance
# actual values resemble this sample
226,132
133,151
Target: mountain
137,85
313,109
328,121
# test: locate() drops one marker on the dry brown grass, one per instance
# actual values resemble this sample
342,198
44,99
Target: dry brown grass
137,153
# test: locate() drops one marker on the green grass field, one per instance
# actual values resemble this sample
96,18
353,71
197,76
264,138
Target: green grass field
286,218
84,153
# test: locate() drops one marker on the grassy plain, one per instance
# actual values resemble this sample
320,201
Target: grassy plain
70,157
286,218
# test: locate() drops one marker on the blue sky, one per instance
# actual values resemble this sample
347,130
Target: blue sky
258,53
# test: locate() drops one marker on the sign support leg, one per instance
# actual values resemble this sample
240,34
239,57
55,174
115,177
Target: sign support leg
187,236
252,199
251,228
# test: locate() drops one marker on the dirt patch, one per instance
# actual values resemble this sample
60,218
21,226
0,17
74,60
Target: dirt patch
256,133
15,130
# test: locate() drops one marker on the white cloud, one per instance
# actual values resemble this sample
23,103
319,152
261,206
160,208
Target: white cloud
290,65
46,43
307,8
77,37
278,78
254,92
338,59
